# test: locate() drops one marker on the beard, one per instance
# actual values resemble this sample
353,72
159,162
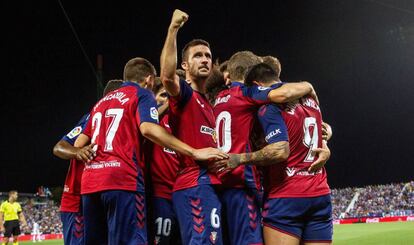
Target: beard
197,74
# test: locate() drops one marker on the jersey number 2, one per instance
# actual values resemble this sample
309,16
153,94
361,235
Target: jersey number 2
116,114
311,137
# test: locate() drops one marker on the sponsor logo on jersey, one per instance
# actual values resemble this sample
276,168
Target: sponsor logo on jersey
168,150
154,113
75,132
103,164
290,171
207,130
262,88
66,188
220,100
304,172
272,134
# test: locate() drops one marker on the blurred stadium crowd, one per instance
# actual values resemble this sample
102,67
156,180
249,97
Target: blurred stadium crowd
372,201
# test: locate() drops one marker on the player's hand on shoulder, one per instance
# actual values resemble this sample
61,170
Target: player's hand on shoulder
178,19
86,153
323,155
209,153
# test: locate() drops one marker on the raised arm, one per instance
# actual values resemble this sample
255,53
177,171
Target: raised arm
292,91
160,136
168,60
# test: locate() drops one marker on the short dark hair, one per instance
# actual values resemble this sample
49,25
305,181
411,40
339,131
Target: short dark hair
12,192
137,69
112,85
274,63
223,66
260,73
239,64
192,43
157,85
214,84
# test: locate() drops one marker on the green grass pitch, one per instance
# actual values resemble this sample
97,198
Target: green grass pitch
390,233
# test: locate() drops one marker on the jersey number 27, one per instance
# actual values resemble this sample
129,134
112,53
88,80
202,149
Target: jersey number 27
116,115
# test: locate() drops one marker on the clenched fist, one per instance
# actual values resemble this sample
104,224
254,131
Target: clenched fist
178,19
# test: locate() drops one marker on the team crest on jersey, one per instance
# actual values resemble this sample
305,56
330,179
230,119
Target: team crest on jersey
75,132
157,239
154,113
213,237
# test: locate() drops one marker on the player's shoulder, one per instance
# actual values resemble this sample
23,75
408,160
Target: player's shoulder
17,205
143,92
252,90
268,110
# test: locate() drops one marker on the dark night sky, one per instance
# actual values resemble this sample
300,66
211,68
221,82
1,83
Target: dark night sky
359,56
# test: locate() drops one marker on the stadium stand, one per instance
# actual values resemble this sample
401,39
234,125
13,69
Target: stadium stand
396,199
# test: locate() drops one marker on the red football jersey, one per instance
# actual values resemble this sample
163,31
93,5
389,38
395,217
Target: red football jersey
192,121
164,167
235,110
71,198
303,120
114,127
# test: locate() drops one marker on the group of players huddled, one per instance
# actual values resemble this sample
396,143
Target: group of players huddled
229,154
